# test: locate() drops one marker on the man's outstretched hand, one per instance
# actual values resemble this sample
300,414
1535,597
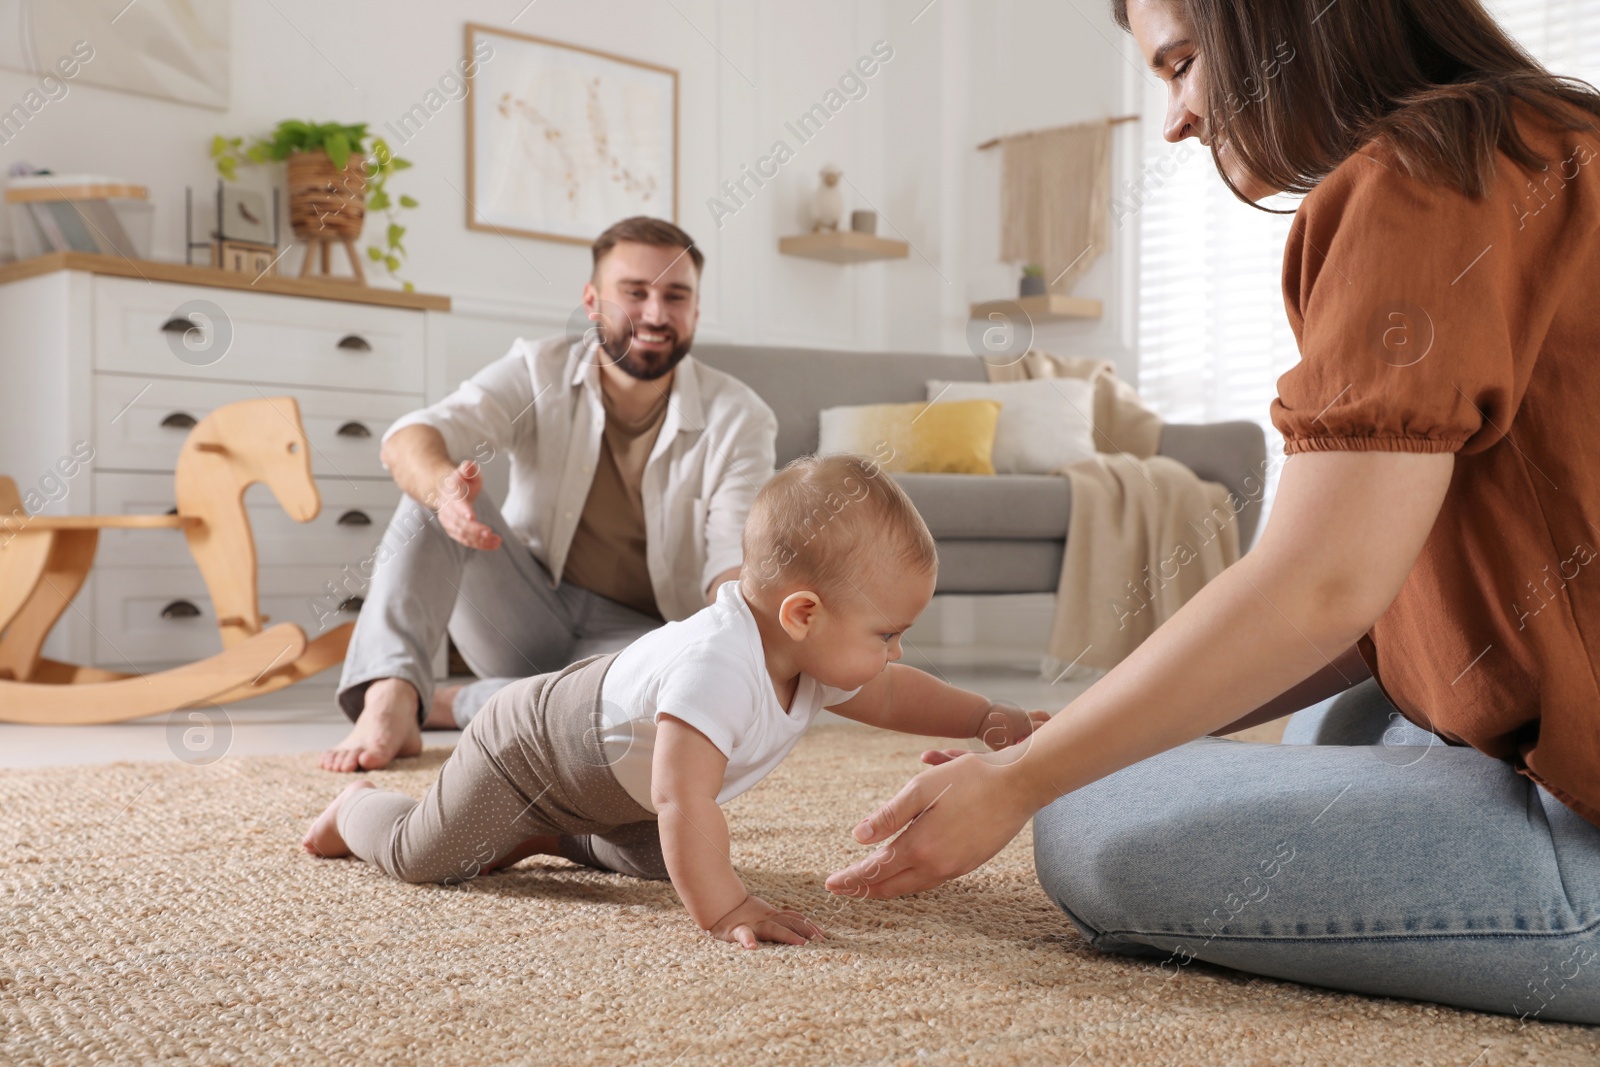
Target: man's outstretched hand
457,491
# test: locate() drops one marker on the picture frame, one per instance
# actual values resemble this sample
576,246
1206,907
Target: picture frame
170,49
245,215
564,140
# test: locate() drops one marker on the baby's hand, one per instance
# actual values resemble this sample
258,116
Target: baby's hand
1006,724
756,921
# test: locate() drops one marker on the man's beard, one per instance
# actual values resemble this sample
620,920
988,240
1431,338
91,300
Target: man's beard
649,368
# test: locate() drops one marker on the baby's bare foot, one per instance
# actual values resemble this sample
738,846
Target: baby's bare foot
323,838
387,729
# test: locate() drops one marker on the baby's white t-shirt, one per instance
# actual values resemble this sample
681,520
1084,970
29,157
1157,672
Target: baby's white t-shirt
710,671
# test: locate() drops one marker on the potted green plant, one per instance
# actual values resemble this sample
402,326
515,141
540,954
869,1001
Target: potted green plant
1032,283
334,178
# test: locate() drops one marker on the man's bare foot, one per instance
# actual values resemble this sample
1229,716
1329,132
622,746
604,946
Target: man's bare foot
387,729
323,838
442,710
533,846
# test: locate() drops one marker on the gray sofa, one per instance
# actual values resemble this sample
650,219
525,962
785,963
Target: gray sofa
996,534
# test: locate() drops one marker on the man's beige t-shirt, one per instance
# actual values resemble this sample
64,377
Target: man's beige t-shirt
608,549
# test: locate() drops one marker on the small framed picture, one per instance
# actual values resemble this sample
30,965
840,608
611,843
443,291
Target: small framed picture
246,215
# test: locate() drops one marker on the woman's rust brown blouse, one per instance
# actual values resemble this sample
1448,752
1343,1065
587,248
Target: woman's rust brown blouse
1429,321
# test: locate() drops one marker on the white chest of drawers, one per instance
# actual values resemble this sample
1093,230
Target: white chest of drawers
120,358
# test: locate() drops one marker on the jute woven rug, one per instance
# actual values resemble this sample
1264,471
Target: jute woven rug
162,913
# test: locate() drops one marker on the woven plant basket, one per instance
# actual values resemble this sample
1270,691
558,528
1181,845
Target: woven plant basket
326,203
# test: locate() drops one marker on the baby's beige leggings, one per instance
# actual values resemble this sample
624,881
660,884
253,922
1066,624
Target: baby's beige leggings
530,763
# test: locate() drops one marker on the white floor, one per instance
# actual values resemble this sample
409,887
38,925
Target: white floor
304,719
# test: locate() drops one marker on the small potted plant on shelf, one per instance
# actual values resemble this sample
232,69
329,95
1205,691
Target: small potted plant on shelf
1032,283
334,178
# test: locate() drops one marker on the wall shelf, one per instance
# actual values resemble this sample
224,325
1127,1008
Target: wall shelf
843,246
1050,307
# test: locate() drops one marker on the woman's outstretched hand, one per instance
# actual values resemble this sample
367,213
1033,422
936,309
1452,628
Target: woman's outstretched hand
954,818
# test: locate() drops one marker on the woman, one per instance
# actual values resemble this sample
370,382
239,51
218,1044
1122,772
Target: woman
1434,523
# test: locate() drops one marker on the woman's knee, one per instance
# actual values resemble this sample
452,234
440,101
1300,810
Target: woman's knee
1135,859
1361,715
1093,868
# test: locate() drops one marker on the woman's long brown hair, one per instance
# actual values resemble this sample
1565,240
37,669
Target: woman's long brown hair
1436,79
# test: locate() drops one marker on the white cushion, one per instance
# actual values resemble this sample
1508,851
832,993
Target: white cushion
1045,423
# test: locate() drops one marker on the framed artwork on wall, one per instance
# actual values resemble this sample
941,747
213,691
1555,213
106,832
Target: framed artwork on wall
172,49
562,141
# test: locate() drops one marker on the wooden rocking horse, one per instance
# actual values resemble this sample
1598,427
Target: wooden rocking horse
44,560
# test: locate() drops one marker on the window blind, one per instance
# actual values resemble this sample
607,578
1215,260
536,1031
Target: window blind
1564,35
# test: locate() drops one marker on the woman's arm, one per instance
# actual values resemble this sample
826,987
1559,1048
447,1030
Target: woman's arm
1344,671
1345,531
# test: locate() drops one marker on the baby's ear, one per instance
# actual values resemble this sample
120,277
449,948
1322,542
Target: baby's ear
797,612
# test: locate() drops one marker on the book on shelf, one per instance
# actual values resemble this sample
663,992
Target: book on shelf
78,213
45,220
71,227
104,226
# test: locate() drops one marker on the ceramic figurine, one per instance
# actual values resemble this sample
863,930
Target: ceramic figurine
827,203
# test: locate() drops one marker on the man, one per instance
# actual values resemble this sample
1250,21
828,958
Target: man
632,470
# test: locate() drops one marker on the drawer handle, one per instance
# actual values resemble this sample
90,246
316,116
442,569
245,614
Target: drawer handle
177,325
180,609
172,510
353,429
351,604
354,342
179,420
355,518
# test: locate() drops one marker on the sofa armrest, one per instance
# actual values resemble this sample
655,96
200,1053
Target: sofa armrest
1232,453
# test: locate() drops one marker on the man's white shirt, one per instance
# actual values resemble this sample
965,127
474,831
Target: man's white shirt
539,407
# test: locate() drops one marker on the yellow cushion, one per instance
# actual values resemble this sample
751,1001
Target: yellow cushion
953,437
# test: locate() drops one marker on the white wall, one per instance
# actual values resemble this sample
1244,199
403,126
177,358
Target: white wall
962,71
1038,64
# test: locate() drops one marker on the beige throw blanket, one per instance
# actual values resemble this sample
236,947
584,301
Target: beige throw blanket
1145,534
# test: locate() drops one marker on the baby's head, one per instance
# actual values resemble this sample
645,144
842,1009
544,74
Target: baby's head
838,558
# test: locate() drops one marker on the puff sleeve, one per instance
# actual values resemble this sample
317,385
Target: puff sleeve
1407,319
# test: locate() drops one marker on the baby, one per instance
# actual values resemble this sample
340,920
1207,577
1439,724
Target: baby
621,762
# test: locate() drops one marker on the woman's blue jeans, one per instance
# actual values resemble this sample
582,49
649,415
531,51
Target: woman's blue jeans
1362,854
